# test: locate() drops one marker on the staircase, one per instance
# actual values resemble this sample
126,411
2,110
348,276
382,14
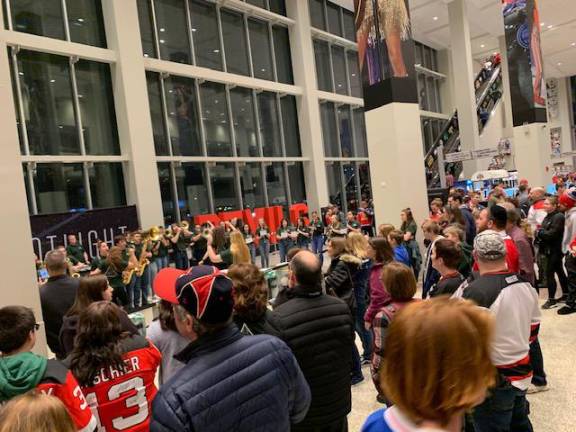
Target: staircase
488,87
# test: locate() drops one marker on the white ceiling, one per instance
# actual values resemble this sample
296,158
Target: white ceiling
558,19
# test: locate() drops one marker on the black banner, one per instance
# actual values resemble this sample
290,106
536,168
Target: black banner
525,68
50,231
385,52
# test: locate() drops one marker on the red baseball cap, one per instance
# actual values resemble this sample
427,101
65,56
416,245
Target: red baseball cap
204,291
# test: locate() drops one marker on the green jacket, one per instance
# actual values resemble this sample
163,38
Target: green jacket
20,373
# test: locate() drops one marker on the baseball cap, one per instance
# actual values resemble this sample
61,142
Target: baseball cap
204,291
568,198
489,246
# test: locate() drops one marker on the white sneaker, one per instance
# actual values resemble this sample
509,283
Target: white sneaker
537,389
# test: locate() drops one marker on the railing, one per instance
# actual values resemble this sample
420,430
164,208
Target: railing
488,93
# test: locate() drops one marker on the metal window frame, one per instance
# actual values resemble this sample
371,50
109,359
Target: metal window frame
190,32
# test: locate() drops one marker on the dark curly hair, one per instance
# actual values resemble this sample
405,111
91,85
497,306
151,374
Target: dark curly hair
97,343
250,291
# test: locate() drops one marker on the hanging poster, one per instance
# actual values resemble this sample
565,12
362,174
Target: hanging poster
527,85
385,52
556,142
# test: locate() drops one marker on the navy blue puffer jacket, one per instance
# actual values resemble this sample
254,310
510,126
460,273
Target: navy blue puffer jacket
233,383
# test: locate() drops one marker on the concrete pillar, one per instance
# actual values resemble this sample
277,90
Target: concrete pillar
133,110
19,286
531,147
303,62
463,74
508,129
396,162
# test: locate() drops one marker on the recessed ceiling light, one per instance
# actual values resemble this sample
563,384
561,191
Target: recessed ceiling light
435,18
80,19
482,46
162,41
162,29
542,24
550,26
573,44
216,51
559,63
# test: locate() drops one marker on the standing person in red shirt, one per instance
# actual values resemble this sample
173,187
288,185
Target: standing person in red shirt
115,370
22,371
495,218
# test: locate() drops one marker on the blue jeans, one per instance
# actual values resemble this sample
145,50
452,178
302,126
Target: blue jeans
138,291
154,268
163,262
365,335
505,410
303,243
252,248
181,259
317,246
284,246
264,248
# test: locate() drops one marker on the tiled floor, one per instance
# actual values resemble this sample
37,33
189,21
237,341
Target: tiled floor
551,411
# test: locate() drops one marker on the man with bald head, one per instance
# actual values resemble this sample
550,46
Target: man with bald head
319,329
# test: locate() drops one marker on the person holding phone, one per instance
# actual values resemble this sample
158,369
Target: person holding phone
263,237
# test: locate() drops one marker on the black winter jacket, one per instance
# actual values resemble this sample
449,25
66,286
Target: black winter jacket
319,330
551,233
339,279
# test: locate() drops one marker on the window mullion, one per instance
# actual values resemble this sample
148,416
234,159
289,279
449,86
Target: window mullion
30,175
174,187
155,29
19,102
248,43
190,32
9,15
66,23
73,61
165,114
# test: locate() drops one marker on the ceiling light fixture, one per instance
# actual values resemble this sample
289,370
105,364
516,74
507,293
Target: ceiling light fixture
435,18
573,44
559,63
549,27
482,45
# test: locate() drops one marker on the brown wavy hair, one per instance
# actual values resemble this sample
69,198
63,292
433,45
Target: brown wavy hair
97,343
90,290
456,373
250,291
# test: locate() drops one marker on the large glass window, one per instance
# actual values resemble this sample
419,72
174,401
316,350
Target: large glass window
261,49
334,23
282,53
354,74
278,6
43,18
269,125
48,104
290,124
235,44
107,185
157,114
349,25
351,185
259,3
165,179
335,189
97,108
146,28
216,121
276,184
329,130
323,68
340,72
60,187
365,184
224,190
360,133
28,192
172,31
183,116
86,22
244,122
297,184
192,189
345,131
317,16
205,34
251,185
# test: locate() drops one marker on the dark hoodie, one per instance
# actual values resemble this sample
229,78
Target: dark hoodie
339,279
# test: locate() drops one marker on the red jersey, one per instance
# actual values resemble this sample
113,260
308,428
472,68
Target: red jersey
122,400
58,381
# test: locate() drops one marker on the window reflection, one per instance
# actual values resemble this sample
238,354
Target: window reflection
335,189
107,185
269,124
296,180
192,189
215,118
224,190
329,129
86,22
146,28
251,185
60,187
42,18
235,44
172,31
282,53
354,74
351,186
165,179
290,124
345,131
323,68
340,72
48,105
276,184
261,49
205,34
157,114
334,23
360,133
183,116
244,122
317,17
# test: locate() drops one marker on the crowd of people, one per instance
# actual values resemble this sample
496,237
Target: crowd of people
228,357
